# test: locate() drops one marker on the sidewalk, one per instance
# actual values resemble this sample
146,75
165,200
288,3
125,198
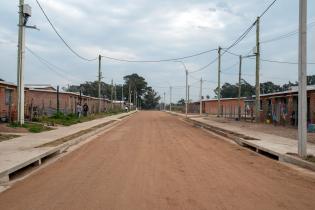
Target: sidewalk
268,144
20,152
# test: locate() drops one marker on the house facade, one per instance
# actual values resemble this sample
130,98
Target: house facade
278,108
43,101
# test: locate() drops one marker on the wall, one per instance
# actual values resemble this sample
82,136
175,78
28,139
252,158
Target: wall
229,107
44,102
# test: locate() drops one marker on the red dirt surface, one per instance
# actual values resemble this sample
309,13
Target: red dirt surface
156,161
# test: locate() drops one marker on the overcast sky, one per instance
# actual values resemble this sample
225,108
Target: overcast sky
150,30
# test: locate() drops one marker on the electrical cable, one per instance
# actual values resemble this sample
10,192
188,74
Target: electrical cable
161,60
50,65
61,38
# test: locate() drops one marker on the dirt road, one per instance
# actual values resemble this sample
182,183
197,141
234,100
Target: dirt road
155,161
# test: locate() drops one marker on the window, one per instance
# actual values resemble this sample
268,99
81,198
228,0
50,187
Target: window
8,97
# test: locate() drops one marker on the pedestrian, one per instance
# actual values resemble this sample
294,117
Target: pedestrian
274,119
293,118
79,110
126,108
85,109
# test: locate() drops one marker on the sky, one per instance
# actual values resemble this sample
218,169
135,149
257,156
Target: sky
153,30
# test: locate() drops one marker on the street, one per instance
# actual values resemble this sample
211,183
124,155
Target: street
154,160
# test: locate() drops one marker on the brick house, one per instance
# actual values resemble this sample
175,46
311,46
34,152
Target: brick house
280,108
43,101
229,106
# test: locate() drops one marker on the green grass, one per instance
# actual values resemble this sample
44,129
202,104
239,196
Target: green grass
42,123
31,127
71,119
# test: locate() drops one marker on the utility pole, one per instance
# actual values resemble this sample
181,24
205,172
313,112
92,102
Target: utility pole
257,103
188,96
20,64
99,81
170,98
129,96
186,104
115,93
200,103
122,96
164,102
302,103
58,107
134,98
111,94
219,81
239,88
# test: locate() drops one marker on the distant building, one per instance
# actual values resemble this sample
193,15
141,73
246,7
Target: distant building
280,107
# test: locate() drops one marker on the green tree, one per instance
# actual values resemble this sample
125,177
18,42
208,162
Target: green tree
181,102
1,79
231,91
150,99
269,87
135,83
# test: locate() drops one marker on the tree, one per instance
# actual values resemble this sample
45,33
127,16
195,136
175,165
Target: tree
311,80
91,89
269,87
150,99
181,101
1,79
135,83
231,91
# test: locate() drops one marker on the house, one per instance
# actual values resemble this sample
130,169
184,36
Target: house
42,100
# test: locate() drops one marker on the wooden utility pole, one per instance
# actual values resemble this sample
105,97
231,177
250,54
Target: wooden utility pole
111,94
99,82
239,88
302,103
170,98
200,102
122,96
129,96
58,106
186,102
219,82
257,103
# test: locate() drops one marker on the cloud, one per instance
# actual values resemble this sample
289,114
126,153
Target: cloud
142,29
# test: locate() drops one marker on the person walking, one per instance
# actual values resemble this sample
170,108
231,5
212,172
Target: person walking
79,110
85,109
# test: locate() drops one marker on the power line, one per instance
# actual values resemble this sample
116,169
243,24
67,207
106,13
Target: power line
50,65
158,61
204,67
62,39
286,35
266,10
238,40
283,62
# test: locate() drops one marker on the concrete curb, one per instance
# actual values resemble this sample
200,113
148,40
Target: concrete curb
47,152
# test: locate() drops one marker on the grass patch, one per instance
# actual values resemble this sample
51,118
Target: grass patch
4,137
31,127
71,119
